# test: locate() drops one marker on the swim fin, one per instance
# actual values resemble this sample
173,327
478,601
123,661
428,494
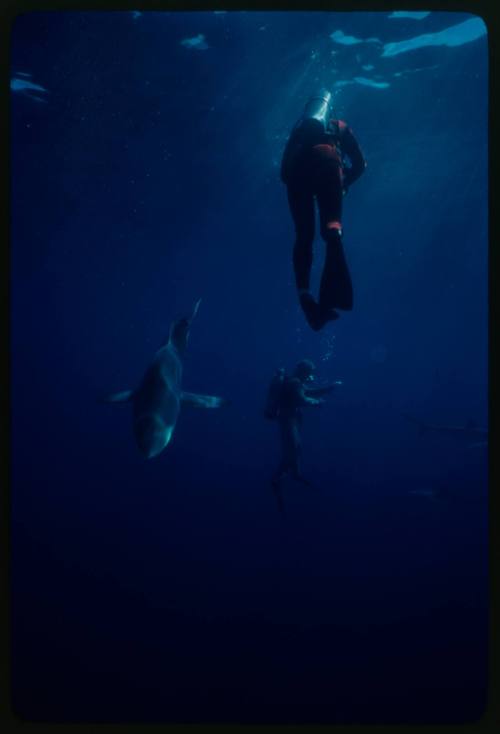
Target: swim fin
336,285
311,311
326,315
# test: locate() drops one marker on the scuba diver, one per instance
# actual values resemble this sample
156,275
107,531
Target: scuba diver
315,167
286,396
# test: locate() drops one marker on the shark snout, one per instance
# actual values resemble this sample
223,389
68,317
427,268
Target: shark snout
152,435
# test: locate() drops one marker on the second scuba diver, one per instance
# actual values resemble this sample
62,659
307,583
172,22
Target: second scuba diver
314,167
286,397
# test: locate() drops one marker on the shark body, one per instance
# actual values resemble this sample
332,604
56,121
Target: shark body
157,402
470,431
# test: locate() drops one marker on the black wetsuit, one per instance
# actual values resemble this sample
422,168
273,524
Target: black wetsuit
294,396
317,172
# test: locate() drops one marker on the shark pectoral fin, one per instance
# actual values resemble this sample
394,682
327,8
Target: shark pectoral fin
203,401
118,397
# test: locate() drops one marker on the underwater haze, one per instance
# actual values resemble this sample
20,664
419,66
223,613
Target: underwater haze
145,154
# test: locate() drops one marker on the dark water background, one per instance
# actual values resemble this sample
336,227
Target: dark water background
145,177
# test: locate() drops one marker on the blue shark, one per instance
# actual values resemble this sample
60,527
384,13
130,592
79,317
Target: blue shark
157,402
470,431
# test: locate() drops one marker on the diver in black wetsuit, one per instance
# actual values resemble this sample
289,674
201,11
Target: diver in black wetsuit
315,170
286,397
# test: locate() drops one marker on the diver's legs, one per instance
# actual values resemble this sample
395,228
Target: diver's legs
283,467
282,470
294,451
301,202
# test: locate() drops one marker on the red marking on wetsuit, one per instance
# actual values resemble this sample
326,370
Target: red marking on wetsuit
327,151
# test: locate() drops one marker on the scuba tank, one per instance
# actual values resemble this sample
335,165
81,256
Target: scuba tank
311,129
315,127
271,409
318,109
313,124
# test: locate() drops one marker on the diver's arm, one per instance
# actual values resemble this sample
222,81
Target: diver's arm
301,397
350,147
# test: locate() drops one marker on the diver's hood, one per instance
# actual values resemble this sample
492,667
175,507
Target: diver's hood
305,370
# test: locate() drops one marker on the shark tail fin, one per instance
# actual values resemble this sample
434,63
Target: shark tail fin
124,396
203,401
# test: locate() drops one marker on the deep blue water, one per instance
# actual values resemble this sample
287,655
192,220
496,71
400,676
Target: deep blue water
145,175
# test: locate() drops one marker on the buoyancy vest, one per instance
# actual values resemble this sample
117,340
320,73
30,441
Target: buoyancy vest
274,393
